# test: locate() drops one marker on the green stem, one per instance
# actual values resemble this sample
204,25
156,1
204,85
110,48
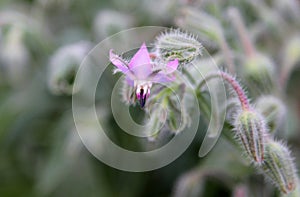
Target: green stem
189,76
226,131
231,81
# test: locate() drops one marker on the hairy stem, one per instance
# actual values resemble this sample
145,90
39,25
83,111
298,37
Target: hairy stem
234,84
242,31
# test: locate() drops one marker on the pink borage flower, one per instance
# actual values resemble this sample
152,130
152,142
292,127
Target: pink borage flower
141,72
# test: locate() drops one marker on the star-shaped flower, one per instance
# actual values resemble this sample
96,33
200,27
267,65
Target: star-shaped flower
141,72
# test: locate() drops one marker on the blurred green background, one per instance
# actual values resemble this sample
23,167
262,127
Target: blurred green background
42,43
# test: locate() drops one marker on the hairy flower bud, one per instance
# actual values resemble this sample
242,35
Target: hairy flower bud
14,55
272,109
209,29
258,71
63,67
295,192
200,23
292,51
158,115
108,22
291,56
279,167
177,45
190,184
178,106
250,131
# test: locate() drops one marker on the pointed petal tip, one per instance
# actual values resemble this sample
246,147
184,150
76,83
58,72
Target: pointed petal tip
140,63
111,53
172,66
117,61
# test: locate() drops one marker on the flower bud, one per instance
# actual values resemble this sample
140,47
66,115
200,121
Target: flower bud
191,183
279,167
14,55
127,93
177,45
250,131
272,109
63,67
294,193
258,71
178,117
200,23
291,56
176,103
292,51
209,30
108,22
240,191
158,115
157,10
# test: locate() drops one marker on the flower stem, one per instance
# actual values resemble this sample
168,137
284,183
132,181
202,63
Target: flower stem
189,76
227,53
234,84
237,21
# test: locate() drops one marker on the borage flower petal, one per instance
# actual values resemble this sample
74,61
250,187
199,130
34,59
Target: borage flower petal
140,63
118,62
141,72
172,66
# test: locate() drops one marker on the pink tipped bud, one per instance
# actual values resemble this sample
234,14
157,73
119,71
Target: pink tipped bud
251,130
279,166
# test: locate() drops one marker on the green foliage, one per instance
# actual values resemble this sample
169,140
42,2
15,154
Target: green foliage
42,44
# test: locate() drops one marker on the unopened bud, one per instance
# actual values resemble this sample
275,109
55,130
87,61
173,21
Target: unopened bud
240,191
64,65
272,109
190,184
178,45
179,117
259,72
206,26
14,55
279,167
108,22
292,51
158,116
295,192
127,93
251,130
291,56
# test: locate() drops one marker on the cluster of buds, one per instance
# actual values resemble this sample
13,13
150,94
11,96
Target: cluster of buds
269,156
251,125
153,70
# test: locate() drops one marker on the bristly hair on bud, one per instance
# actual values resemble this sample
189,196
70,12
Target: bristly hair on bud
272,109
127,94
251,131
249,125
279,166
176,44
63,67
295,192
233,83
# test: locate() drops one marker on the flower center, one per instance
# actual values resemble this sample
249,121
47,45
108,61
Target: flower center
143,92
